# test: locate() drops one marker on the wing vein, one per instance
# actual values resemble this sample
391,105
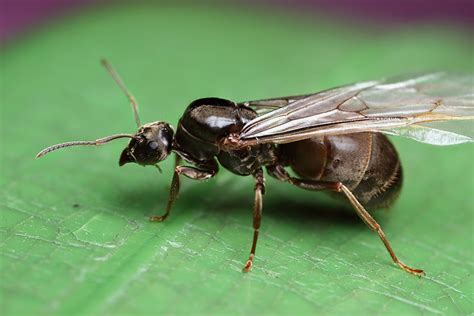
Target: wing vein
374,106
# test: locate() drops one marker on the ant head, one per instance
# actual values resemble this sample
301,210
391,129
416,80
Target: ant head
151,144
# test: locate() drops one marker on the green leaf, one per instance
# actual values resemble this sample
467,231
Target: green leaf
75,238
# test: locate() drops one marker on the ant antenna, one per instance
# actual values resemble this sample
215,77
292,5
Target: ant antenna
96,142
120,83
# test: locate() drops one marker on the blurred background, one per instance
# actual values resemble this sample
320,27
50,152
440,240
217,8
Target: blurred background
74,232
21,16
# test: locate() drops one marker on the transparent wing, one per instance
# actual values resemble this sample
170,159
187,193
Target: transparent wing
435,108
267,105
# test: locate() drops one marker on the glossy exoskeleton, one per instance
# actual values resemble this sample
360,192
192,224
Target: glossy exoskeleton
332,140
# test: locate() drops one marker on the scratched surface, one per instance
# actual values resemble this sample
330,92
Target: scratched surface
74,231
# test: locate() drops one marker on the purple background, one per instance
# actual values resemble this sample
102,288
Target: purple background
18,16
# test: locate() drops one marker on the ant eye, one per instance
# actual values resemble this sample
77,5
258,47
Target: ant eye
153,145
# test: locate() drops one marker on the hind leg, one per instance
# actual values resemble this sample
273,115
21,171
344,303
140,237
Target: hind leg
280,173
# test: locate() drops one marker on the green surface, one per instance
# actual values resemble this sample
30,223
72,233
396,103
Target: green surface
74,232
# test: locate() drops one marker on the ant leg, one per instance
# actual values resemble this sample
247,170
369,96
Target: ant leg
257,216
280,173
174,191
207,170
177,160
373,225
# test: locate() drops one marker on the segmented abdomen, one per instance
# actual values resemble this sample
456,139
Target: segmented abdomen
367,163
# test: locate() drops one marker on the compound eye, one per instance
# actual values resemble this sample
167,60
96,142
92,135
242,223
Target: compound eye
153,145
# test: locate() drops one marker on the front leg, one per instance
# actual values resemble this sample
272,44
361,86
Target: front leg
203,171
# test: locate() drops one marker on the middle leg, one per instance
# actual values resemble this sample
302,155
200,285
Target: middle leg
257,216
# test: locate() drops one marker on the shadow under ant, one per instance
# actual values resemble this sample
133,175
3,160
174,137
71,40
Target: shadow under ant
284,206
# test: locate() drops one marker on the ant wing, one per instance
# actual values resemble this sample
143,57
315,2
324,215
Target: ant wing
435,108
264,106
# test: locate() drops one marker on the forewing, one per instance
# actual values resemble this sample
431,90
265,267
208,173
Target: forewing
416,108
267,105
